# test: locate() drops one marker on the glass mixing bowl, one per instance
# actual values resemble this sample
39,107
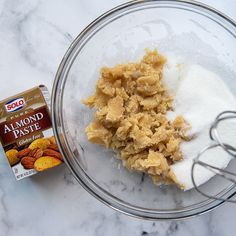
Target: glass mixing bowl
191,30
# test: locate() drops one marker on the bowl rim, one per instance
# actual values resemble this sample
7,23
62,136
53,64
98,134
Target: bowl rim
59,129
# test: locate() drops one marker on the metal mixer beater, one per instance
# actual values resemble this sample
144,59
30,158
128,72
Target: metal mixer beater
217,142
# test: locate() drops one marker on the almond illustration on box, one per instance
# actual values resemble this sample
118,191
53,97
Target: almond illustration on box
41,154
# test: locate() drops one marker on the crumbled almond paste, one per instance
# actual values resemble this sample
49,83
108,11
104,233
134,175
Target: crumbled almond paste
131,104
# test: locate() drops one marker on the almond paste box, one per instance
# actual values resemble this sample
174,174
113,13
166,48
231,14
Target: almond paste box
26,133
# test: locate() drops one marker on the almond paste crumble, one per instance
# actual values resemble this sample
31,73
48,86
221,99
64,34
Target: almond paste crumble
131,103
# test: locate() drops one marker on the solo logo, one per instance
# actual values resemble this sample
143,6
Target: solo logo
15,104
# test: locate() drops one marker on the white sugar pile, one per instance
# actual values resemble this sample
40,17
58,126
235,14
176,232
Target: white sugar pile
199,96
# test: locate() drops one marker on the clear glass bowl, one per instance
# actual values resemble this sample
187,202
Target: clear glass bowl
197,33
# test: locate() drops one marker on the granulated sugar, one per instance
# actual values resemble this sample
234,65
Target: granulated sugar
199,96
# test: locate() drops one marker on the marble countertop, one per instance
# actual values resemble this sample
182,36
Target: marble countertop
34,35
